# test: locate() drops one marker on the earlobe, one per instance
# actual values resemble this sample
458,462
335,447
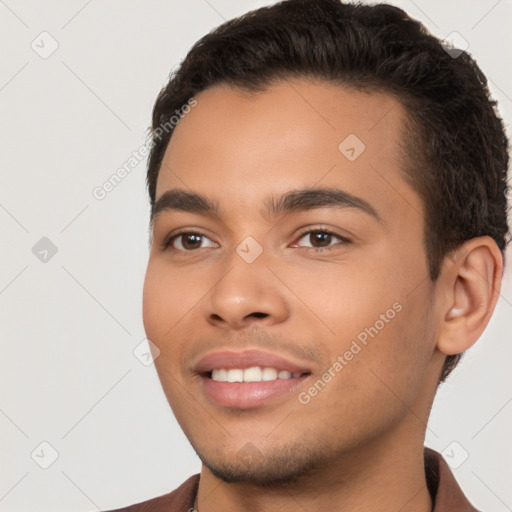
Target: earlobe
471,281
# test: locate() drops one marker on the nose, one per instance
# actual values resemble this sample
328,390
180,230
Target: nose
247,294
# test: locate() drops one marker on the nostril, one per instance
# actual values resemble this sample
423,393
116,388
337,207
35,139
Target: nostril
259,315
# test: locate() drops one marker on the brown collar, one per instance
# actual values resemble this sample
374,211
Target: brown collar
446,494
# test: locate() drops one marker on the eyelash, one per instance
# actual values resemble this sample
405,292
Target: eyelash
167,243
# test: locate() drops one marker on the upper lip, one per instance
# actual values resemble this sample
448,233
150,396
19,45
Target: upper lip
229,359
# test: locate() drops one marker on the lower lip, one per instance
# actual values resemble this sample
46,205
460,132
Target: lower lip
248,395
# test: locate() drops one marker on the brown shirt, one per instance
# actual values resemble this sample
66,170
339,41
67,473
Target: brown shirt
444,489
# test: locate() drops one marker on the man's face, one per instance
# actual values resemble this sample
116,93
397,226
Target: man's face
248,288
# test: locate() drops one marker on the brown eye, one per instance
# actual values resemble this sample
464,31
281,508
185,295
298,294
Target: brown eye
188,241
191,241
321,239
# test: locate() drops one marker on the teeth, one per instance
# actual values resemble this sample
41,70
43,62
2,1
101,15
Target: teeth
269,374
235,375
252,374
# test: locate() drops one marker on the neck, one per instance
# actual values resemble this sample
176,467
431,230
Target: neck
386,474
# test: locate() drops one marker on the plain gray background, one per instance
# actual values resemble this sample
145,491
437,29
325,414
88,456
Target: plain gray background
70,321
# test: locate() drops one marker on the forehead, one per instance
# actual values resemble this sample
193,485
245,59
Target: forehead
241,147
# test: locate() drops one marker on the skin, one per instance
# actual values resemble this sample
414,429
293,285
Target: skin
358,444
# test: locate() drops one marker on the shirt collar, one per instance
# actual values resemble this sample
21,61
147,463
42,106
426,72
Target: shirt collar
446,494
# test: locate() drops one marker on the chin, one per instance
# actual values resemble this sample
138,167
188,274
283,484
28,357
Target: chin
275,466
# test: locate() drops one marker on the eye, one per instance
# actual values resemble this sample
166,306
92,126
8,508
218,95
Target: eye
321,239
187,241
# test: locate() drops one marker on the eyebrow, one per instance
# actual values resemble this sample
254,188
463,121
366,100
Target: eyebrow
293,201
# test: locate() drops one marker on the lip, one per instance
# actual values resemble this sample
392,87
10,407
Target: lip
230,359
248,395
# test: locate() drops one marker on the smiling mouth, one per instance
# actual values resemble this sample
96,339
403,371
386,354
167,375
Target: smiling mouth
250,388
252,374
249,379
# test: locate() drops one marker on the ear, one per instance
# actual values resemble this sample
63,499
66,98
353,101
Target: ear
470,283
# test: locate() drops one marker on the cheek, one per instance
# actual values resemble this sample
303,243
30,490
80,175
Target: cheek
168,296
380,370
160,304
172,299
344,299
378,306
164,305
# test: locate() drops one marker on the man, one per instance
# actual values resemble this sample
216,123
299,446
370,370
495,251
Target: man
328,228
